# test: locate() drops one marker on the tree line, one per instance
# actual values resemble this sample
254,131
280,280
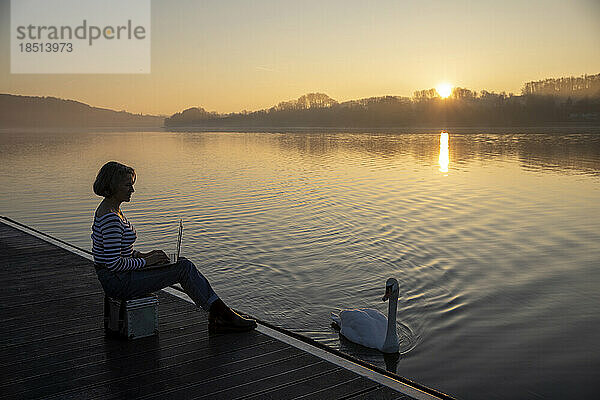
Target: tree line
550,101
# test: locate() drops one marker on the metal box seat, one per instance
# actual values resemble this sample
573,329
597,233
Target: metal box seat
131,318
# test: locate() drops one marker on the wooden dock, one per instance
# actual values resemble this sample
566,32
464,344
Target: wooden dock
53,344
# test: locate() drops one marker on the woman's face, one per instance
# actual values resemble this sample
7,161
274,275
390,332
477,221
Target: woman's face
124,189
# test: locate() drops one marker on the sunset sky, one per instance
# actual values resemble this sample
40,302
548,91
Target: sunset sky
233,55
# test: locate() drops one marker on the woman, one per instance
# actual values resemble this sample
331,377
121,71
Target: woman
121,270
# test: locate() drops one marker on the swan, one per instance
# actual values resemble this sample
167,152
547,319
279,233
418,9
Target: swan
369,327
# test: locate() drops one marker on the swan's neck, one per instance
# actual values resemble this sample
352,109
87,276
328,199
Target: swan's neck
391,337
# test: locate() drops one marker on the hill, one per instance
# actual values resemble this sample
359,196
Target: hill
44,112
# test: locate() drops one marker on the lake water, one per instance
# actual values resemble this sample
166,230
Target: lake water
494,238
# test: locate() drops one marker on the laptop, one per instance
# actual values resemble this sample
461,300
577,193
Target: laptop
179,236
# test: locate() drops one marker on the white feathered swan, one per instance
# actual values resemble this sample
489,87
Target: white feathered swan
369,327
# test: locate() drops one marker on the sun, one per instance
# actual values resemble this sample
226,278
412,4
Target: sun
444,90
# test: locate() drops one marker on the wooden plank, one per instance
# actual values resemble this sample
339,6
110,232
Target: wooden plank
380,393
54,356
131,362
228,384
91,323
87,337
80,316
299,385
181,374
94,304
52,361
39,302
343,388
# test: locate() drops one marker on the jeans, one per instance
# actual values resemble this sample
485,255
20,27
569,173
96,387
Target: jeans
136,283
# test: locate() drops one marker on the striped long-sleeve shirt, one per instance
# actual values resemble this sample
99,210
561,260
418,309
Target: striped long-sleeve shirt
112,243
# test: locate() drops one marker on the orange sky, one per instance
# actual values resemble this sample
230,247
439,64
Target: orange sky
230,56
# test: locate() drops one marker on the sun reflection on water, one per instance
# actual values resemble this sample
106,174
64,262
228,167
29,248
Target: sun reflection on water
444,159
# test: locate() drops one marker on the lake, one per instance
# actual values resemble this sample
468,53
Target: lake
493,237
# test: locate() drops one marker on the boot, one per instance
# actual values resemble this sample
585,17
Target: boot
222,319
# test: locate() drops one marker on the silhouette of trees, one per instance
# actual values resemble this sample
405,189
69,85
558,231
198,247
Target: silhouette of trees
425,95
459,93
586,85
193,114
550,101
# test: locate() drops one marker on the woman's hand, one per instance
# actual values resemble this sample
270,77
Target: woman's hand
156,257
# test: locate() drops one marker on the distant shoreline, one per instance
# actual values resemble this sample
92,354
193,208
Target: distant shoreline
547,129
412,129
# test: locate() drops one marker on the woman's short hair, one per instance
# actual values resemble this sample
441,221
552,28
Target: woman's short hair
110,175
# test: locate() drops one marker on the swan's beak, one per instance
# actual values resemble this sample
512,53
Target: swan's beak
388,293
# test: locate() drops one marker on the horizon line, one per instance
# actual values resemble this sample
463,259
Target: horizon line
166,115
